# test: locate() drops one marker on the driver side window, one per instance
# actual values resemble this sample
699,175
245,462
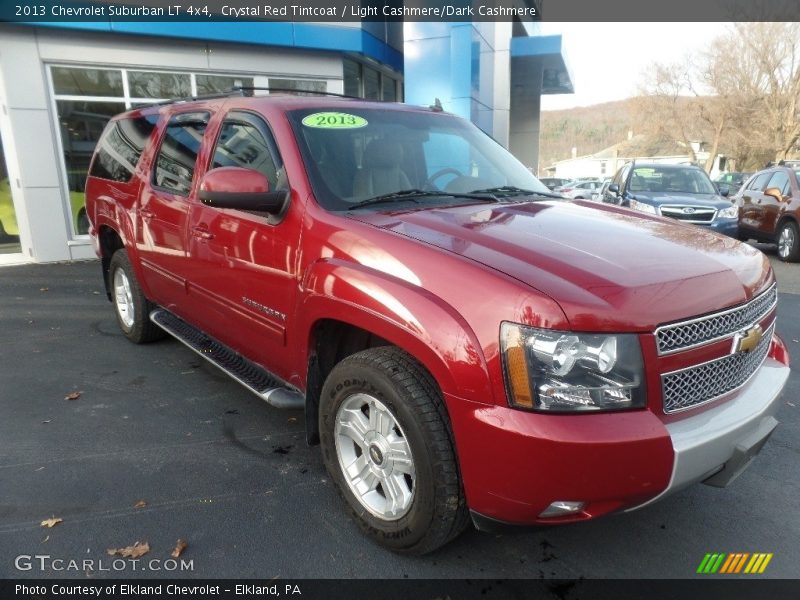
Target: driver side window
242,143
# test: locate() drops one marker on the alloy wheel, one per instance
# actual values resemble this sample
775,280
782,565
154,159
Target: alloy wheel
374,456
123,298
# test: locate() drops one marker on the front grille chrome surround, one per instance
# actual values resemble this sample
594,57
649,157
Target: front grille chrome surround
699,384
710,328
689,214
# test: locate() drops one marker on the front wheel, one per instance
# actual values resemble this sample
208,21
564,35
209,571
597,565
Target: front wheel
387,445
788,242
130,304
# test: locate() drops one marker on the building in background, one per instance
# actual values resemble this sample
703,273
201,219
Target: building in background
60,84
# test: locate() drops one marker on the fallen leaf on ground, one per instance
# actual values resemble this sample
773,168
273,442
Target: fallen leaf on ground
140,504
44,289
180,546
51,522
73,396
292,419
790,404
48,420
138,549
40,469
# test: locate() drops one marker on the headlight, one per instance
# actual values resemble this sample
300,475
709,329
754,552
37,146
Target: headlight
731,212
642,207
561,371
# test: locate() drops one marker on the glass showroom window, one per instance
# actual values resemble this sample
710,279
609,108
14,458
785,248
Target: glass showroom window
362,81
9,232
298,86
85,98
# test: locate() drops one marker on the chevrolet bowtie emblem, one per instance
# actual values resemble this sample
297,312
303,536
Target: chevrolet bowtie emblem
747,339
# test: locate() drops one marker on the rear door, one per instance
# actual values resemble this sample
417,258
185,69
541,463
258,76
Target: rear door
752,197
163,211
243,264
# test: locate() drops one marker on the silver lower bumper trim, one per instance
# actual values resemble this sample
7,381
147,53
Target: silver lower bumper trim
720,442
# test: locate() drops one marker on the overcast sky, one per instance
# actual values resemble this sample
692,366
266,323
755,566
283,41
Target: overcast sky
607,58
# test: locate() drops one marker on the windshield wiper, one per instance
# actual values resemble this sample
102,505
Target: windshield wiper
511,190
413,194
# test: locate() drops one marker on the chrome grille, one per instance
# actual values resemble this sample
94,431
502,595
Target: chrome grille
690,214
702,330
697,385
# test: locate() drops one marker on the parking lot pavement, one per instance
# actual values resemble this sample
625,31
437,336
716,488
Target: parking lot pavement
234,478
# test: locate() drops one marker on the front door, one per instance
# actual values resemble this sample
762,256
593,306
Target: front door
243,267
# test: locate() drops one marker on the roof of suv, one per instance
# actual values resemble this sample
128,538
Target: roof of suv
283,102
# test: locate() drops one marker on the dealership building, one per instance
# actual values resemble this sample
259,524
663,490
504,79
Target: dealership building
60,83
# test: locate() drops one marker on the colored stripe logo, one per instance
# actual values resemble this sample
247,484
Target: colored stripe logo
736,562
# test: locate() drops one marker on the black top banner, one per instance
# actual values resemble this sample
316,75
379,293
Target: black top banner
41,11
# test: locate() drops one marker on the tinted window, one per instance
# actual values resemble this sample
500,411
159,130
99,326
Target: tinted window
242,144
177,156
780,180
119,149
760,181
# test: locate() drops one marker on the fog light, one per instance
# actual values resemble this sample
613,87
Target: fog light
559,508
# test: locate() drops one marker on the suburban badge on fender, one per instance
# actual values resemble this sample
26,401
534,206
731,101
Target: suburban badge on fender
747,340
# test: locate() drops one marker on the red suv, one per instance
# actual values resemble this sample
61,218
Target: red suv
463,343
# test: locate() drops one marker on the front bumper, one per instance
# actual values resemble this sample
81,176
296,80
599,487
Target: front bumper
515,464
715,446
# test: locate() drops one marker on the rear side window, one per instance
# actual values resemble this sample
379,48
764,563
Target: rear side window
120,148
177,156
760,182
780,180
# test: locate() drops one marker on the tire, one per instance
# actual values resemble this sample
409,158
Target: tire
788,240
390,404
130,305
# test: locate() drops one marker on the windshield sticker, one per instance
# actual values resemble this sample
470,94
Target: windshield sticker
334,120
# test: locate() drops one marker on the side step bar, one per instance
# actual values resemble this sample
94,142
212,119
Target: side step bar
255,378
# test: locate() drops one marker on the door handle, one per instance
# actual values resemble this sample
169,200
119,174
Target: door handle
202,233
146,214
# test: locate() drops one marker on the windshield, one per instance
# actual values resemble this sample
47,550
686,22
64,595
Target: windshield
671,179
365,153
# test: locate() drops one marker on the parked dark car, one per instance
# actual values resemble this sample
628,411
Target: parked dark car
682,192
769,210
553,182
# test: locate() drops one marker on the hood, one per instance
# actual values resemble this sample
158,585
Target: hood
661,198
608,268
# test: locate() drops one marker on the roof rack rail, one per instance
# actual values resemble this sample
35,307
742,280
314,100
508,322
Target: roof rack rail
227,94
242,90
251,88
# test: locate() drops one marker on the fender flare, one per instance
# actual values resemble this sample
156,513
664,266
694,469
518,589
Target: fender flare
400,312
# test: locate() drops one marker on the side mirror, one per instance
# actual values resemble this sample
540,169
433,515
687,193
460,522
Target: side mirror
724,190
774,193
613,188
242,189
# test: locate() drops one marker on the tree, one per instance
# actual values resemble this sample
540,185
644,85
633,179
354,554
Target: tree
759,63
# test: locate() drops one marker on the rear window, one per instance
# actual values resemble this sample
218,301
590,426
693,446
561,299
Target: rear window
177,157
121,146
